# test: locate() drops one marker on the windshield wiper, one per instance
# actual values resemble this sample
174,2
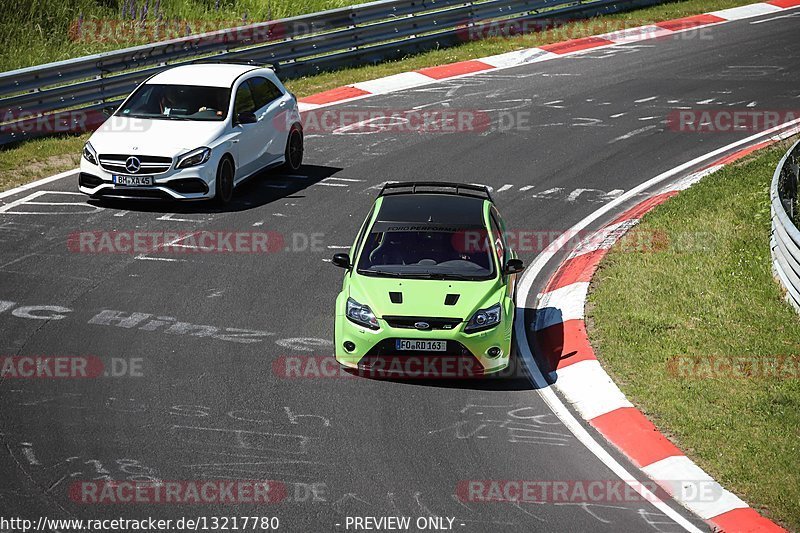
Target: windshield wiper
380,273
157,117
438,275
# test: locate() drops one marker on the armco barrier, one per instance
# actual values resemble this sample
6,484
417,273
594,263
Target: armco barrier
294,47
785,240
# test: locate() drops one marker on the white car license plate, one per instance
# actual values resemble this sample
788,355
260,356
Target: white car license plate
133,181
421,345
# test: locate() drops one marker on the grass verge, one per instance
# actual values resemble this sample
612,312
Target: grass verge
31,160
709,293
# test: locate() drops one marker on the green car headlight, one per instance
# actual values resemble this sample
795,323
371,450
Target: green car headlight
484,319
361,314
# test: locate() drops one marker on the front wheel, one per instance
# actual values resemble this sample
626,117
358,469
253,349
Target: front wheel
224,187
294,149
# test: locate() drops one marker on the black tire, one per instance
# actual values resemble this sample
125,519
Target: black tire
294,149
223,190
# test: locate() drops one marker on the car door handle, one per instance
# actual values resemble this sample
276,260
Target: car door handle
235,141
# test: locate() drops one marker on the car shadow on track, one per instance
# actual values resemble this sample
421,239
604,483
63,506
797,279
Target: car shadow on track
550,345
263,188
512,378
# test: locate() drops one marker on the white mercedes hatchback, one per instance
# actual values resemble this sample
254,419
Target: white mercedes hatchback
194,132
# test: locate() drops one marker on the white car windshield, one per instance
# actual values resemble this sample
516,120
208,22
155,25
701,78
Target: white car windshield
177,102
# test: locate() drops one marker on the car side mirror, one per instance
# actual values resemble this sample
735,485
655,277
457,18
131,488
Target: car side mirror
109,110
514,266
247,117
342,260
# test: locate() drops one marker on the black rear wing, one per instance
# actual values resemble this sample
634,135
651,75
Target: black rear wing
439,187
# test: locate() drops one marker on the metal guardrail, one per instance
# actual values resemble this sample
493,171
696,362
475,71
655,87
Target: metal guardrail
785,240
42,100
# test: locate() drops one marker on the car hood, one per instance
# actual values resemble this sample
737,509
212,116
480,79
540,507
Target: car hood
168,138
425,298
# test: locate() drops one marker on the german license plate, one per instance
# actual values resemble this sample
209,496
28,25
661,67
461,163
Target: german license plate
133,181
421,345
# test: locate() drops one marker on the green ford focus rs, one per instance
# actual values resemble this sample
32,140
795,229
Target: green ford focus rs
429,287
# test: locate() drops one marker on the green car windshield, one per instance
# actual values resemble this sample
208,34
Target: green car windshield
428,253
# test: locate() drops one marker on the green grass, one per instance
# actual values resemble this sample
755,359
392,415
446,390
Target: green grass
44,37
710,294
33,32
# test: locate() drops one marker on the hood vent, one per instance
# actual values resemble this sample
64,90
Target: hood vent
396,297
451,299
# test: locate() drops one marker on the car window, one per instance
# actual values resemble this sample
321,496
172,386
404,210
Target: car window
244,101
264,91
433,252
184,102
497,240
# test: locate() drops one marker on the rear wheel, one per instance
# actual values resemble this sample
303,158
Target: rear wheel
224,187
294,149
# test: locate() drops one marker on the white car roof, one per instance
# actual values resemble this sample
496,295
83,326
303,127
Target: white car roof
206,75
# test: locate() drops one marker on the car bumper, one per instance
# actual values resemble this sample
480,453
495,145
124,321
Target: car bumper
466,354
195,183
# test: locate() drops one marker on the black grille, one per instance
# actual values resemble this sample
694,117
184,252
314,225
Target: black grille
409,322
149,164
187,186
89,180
456,362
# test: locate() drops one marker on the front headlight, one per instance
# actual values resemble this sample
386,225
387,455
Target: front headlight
89,153
484,319
361,314
194,158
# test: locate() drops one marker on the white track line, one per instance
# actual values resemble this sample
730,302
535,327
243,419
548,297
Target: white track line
37,183
544,390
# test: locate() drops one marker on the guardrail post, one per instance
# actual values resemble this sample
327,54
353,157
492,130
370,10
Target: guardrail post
794,177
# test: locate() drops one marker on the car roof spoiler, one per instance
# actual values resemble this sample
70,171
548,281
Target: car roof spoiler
245,63
440,187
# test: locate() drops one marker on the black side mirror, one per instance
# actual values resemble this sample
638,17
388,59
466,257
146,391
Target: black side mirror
342,260
514,266
248,117
109,110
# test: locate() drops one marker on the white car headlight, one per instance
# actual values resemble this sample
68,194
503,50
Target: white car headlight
484,319
361,314
194,158
89,153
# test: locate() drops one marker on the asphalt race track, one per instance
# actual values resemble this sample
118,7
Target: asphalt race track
211,405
